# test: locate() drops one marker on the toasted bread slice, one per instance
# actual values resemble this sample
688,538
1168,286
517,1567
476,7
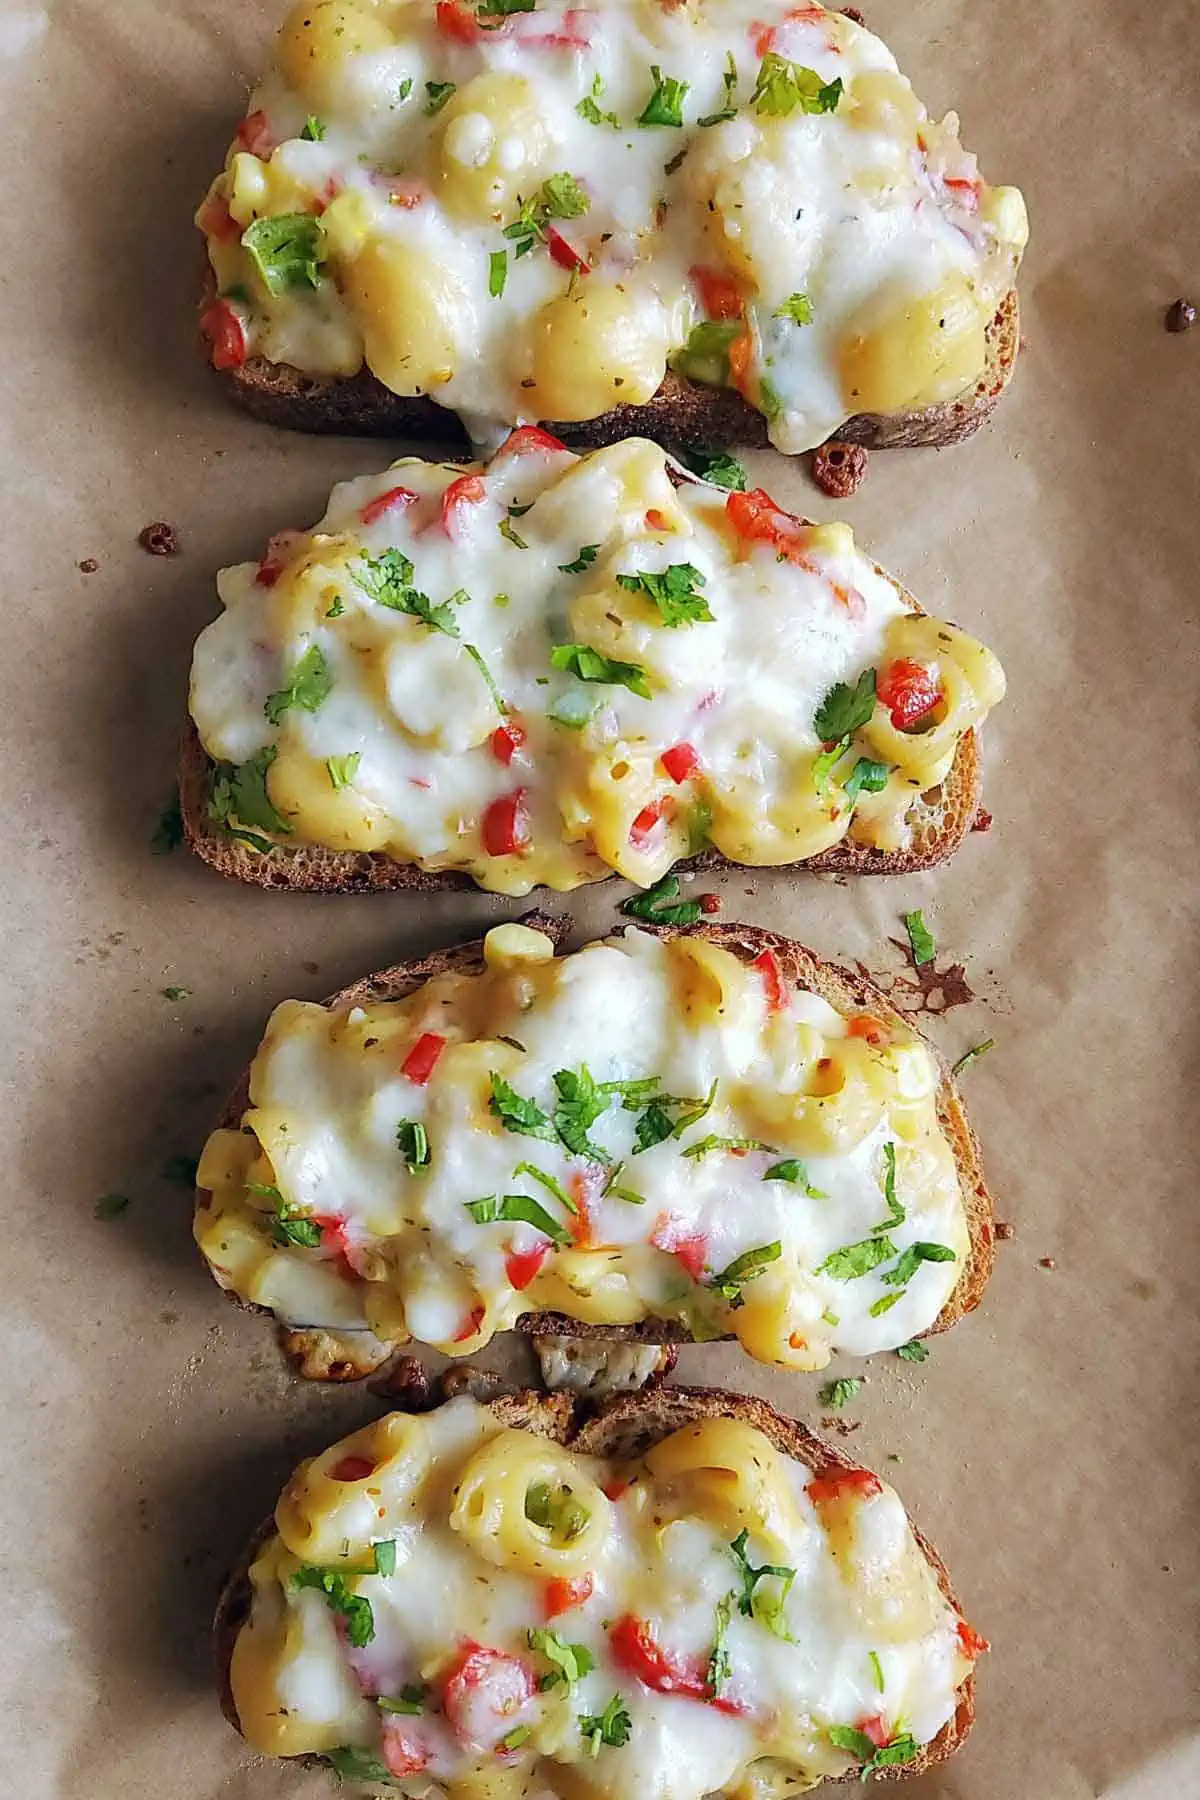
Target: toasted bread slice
683,415
937,822
324,1355
629,1425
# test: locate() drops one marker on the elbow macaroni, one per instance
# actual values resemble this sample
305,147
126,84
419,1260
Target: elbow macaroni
723,1151
508,230
446,729
431,1660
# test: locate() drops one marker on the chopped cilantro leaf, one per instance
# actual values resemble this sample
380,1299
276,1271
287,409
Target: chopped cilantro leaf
836,1393
590,665
674,592
661,906
665,105
844,709
309,686
285,250
920,938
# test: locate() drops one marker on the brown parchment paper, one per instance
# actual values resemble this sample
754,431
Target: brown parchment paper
1051,1445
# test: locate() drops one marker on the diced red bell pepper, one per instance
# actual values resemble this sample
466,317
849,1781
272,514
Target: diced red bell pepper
909,691
841,1484
255,135
679,761
719,296
457,22
522,1265
691,1247
225,330
741,353
776,987
563,1595
353,1468
710,903
634,1649
467,490
216,221
505,826
382,503
964,191
757,517
650,816
506,740
483,1689
565,254
421,1060
657,521
402,1753
528,438
279,549
614,1490
877,1729
470,1325
972,1644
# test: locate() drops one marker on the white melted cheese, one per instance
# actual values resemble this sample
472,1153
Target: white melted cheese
861,1637
424,732
866,208
771,1082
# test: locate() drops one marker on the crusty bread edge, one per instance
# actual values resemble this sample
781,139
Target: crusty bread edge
321,1355
628,1425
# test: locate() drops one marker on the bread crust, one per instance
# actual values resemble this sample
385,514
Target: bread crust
938,822
629,1425
683,415
321,1355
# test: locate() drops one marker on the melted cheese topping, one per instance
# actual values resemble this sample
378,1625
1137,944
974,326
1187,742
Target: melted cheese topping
447,1682
393,681
644,1129
796,199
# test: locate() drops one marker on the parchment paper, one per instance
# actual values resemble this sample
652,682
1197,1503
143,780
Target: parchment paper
1051,1445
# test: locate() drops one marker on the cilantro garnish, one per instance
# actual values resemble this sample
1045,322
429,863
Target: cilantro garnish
665,105
767,1605
784,86
674,593
855,1260
845,709
437,94
309,686
661,906
719,467
836,1393
579,1105
342,769
354,1608
240,793
798,308
729,110
515,1208
793,1170
584,560
590,665
920,938
611,1727
285,250
570,1662
746,1267
517,1114
413,1142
